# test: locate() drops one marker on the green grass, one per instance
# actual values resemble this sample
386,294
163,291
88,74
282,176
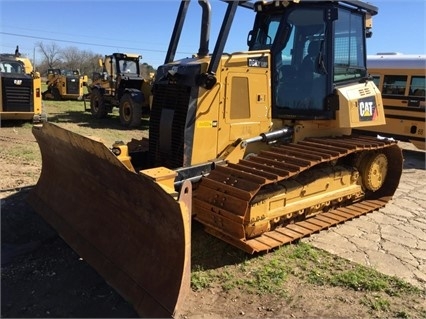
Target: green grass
60,107
376,303
201,278
269,274
257,276
66,111
268,277
25,152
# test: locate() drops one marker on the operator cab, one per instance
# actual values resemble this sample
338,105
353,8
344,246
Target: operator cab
304,43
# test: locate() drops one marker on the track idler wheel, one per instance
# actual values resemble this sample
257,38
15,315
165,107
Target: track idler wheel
374,168
380,171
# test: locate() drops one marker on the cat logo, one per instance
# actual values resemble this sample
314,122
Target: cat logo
367,109
17,82
258,62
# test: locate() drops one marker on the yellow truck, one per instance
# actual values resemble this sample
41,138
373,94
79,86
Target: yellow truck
20,89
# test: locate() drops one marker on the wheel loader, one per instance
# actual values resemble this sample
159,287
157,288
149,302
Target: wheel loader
255,145
64,85
119,85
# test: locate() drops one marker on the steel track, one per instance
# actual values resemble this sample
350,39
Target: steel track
226,193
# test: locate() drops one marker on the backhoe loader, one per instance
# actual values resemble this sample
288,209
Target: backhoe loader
119,85
255,145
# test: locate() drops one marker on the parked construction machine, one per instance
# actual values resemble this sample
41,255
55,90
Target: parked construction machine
20,89
120,85
64,85
255,145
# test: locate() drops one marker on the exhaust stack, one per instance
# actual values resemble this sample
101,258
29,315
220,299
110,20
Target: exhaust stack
205,28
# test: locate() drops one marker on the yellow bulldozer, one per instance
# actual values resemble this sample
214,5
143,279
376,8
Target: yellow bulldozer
121,85
64,85
256,145
20,89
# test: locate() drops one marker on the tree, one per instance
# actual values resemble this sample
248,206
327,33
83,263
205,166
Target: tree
51,55
75,59
69,58
72,58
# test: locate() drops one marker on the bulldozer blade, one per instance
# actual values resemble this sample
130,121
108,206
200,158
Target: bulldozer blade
123,224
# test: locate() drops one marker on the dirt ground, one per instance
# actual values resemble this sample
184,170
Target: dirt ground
42,277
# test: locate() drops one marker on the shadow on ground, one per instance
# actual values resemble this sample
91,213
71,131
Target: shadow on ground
414,159
43,277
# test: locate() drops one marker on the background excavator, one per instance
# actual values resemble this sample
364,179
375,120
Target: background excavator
256,145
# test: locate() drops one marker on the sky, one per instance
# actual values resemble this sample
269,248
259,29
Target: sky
145,27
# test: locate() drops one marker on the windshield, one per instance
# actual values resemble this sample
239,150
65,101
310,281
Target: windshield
128,66
11,67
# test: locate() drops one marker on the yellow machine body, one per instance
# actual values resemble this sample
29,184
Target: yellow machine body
65,85
20,89
120,85
250,144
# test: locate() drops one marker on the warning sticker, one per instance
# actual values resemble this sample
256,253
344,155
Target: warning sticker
206,124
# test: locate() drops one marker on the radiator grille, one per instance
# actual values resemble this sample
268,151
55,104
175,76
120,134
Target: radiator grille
167,125
73,85
17,98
